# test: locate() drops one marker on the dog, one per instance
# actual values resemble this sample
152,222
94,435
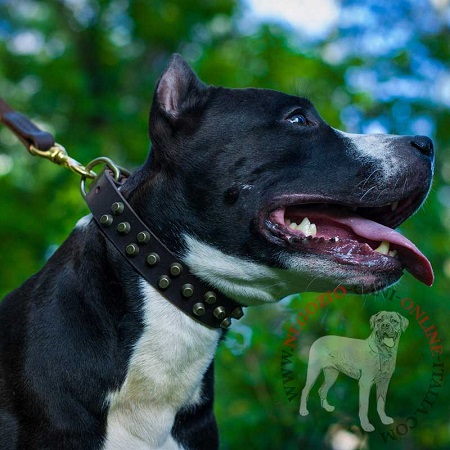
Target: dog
370,361
260,198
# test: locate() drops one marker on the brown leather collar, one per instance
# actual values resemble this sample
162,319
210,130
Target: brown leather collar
153,260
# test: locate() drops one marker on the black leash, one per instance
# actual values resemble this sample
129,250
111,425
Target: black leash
125,230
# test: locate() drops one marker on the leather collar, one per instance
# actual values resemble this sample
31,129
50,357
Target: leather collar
126,231
153,260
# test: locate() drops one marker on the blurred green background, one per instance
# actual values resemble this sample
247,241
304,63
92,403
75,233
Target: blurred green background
85,70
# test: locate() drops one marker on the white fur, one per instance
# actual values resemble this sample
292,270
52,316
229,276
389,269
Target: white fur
376,148
251,283
84,221
164,375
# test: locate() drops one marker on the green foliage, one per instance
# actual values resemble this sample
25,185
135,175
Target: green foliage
87,74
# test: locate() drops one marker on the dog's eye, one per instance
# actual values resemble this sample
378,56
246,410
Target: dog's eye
297,118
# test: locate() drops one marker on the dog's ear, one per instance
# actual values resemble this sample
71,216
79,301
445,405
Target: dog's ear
178,89
177,105
373,319
404,322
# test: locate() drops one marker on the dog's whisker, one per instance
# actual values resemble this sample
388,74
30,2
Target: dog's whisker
368,190
364,182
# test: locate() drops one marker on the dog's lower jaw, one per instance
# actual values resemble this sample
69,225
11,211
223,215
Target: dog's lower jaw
251,283
245,281
164,376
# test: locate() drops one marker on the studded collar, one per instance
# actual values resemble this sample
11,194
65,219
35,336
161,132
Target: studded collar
153,260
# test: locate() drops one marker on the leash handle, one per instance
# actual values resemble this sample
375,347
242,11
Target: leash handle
25,129
39,142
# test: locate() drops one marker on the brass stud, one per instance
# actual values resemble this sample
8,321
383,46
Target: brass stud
187,290
153,259
132,250
123,228
210,298
164,282
225,323
237,313
106,220
199,309
220,312
143,237
117,208
175,269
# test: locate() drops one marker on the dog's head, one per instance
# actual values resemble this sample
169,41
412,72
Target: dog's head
263,198
387,327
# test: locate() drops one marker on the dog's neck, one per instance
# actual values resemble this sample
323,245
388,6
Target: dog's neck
153,260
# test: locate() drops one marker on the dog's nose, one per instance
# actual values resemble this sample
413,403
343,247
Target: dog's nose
424,144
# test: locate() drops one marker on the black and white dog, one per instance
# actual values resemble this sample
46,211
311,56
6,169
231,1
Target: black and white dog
260,198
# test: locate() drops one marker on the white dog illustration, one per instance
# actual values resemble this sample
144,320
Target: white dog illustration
371,361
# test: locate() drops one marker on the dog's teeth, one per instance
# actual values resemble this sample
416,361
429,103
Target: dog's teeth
305,221
304,226
393,253
293,225
321,239
383,248
313,229
288,222
394,206
334,239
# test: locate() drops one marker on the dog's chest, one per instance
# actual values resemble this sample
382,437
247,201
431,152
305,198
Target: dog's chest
164,375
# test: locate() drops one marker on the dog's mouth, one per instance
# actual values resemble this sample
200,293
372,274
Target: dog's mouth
362,237
389,339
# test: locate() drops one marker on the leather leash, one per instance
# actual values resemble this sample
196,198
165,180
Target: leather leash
24,129
127,232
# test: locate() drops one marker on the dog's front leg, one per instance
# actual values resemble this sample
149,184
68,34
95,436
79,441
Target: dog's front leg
382,387
364,391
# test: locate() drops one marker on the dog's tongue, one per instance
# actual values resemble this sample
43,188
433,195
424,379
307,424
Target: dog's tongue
415,262
389,342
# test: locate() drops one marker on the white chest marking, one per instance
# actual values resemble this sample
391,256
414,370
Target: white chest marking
164,374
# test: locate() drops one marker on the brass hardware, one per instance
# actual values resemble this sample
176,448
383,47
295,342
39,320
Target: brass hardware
220,312
187,290
238,313
132,250
153,259
123,228
175,269
210,298
58,155
164,282
143,237
117,208
106,220
225,323
199,309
